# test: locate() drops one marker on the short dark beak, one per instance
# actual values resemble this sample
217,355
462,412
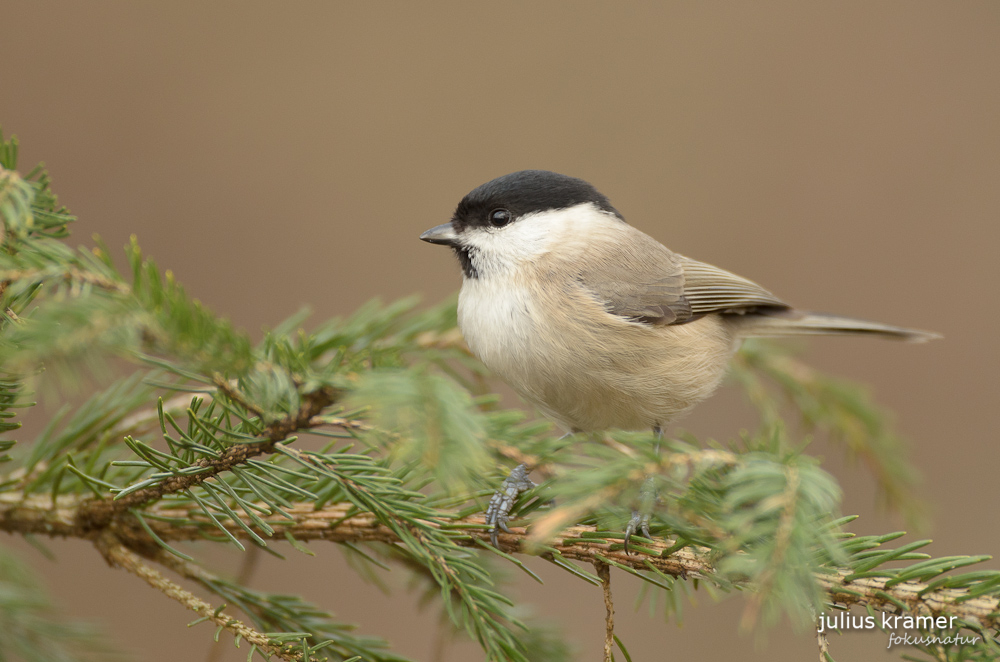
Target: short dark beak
443,234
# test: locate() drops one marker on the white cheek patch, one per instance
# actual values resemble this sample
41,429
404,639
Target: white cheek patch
498,250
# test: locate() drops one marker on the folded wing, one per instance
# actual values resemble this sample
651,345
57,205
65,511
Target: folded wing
643,280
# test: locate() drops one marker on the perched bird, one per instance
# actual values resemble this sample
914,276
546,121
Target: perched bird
596,323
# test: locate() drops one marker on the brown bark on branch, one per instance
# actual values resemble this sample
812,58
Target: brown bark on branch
119,556
38,515
98,513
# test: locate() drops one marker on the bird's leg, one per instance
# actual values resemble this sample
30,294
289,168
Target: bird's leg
647,499
503,499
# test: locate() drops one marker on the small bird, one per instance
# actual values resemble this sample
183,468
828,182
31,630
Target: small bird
595,322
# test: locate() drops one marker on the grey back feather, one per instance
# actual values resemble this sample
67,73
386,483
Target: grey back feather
639,278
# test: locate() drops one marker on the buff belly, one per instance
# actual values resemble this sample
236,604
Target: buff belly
592,370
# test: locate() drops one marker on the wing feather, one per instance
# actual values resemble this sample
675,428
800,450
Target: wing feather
642,279
710,289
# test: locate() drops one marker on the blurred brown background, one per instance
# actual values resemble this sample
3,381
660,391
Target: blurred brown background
845,155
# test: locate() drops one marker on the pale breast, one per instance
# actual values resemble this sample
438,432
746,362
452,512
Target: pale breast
500,325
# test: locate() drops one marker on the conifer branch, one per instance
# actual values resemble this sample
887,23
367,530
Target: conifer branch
98,512
72,275
824,646
340,523
604,572
119,556
247,566
412,445
785,526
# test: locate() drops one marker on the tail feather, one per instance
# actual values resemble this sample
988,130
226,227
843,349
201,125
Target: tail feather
797,323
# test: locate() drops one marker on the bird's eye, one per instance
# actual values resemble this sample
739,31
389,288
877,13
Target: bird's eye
500,218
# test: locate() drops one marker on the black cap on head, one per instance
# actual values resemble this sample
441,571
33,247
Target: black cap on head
525,192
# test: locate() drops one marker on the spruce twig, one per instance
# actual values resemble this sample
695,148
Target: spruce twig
119,556
99,511
604,572
581,543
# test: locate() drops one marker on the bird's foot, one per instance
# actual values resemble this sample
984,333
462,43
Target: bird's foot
639,521
503,500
